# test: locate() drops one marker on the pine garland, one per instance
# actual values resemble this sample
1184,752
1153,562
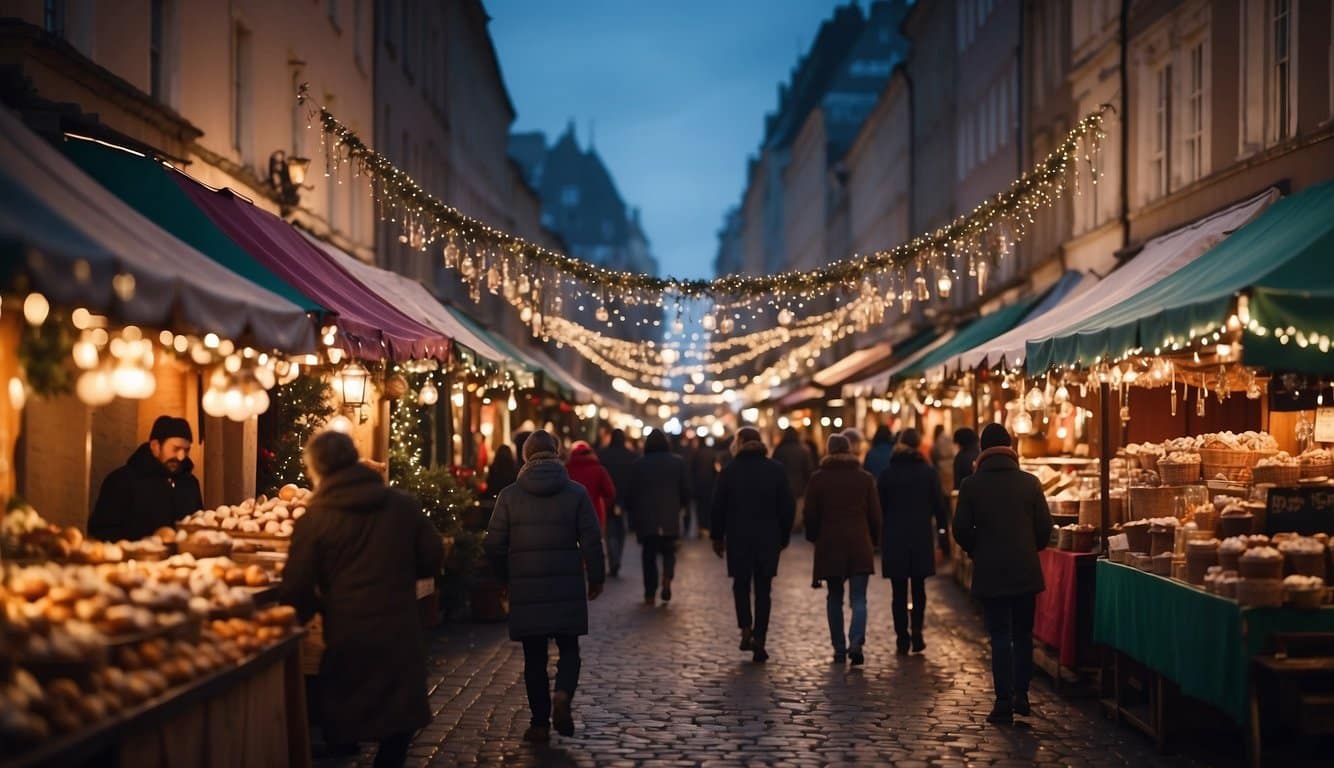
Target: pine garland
441,496
299,410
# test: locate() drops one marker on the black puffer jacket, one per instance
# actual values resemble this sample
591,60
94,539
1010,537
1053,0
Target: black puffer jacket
355,558
543,540
659,490
913,506
142,496
619,461
1002,520
752,510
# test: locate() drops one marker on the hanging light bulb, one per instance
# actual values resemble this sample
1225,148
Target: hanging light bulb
457,397
943,285
428,394
785,316
982,269
708,322
340,423
35,309
234,405
212,403
511,404
85,355
920,291
678,327
524,285
94,387
602,314
1023,423
726,324
1062,395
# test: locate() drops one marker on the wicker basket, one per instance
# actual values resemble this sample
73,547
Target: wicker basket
1083,541
201,550
1198,561
1255,593
1065,539
1261,568
1148,461
1304,563
1317,470
1162,564
1235,525
1281,475
1162,539
1231,561
1179,474
1311,599
1234,465
1151,502
1142,562
1138,537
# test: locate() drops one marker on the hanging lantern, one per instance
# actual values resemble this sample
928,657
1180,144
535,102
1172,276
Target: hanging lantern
602,315
352,381
428,394
726,324
511,404
982,269
1023,423
943,285
1035,400
920,291
678,327
785,316
708,322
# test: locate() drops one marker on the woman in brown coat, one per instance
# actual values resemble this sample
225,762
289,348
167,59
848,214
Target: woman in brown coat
843,519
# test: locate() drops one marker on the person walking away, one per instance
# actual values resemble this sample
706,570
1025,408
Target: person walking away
155,487
913,508
1002,521
752,510
942,456
966,443
503,472
659,491
686,446
797,461
585,469
843,519
703,473
618,460
882,449
856,441
544,543
355,558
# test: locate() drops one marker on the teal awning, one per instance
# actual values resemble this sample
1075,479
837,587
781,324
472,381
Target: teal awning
980,331
1284,260
523,367
144,184
878,379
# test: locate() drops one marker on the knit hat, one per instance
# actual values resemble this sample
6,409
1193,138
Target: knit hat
995,435
910,439
540,441
838,444
748,435
965,436
166,427
853,436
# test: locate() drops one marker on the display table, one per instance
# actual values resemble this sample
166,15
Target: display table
250,714
1202,643
1064,613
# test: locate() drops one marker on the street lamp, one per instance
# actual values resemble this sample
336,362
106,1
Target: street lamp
352,380
287,175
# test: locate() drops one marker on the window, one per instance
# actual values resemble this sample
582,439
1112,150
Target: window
569,196
1194,127
157,88
1281,72
1161,132
53,17
242,89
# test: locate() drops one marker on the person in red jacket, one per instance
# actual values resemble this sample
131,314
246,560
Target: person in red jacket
586,470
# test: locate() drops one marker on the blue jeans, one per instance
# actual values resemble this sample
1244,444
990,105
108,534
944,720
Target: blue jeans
857,596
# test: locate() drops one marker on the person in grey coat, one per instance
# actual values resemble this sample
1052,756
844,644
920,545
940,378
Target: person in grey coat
1002,521
544,541
659,490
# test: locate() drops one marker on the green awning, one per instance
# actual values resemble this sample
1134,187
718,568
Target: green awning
519,363
980,331
874,379
144,185
1284,260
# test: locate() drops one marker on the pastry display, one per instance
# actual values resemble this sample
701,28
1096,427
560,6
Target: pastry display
1262,563
260,516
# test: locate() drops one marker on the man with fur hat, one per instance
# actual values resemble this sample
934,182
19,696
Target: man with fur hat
752,523
544,543
1002,521
155,488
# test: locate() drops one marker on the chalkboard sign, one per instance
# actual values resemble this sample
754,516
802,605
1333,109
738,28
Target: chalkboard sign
1304,510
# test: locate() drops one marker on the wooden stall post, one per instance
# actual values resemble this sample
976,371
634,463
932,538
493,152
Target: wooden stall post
1104,460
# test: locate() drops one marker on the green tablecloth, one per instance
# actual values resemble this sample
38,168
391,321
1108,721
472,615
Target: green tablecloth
1201,642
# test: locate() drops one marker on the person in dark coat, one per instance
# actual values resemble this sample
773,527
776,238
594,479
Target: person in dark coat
913,509
155,487
798,462
545,544
843,519
503,472
586,470
703,475
882,449
659,492
355,558
752,523
1002,521
965,440
618,459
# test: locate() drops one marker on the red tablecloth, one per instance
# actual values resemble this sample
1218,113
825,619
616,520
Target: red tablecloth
1056,620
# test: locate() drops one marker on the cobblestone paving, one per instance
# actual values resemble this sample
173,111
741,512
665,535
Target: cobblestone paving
666,686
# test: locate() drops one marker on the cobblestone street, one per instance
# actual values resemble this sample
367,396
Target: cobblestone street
667,686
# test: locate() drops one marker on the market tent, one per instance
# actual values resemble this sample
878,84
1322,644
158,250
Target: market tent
83,246
372,328
1160,257
146,185
579,392
934,364
1282,257
903,353
409,296
852,364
